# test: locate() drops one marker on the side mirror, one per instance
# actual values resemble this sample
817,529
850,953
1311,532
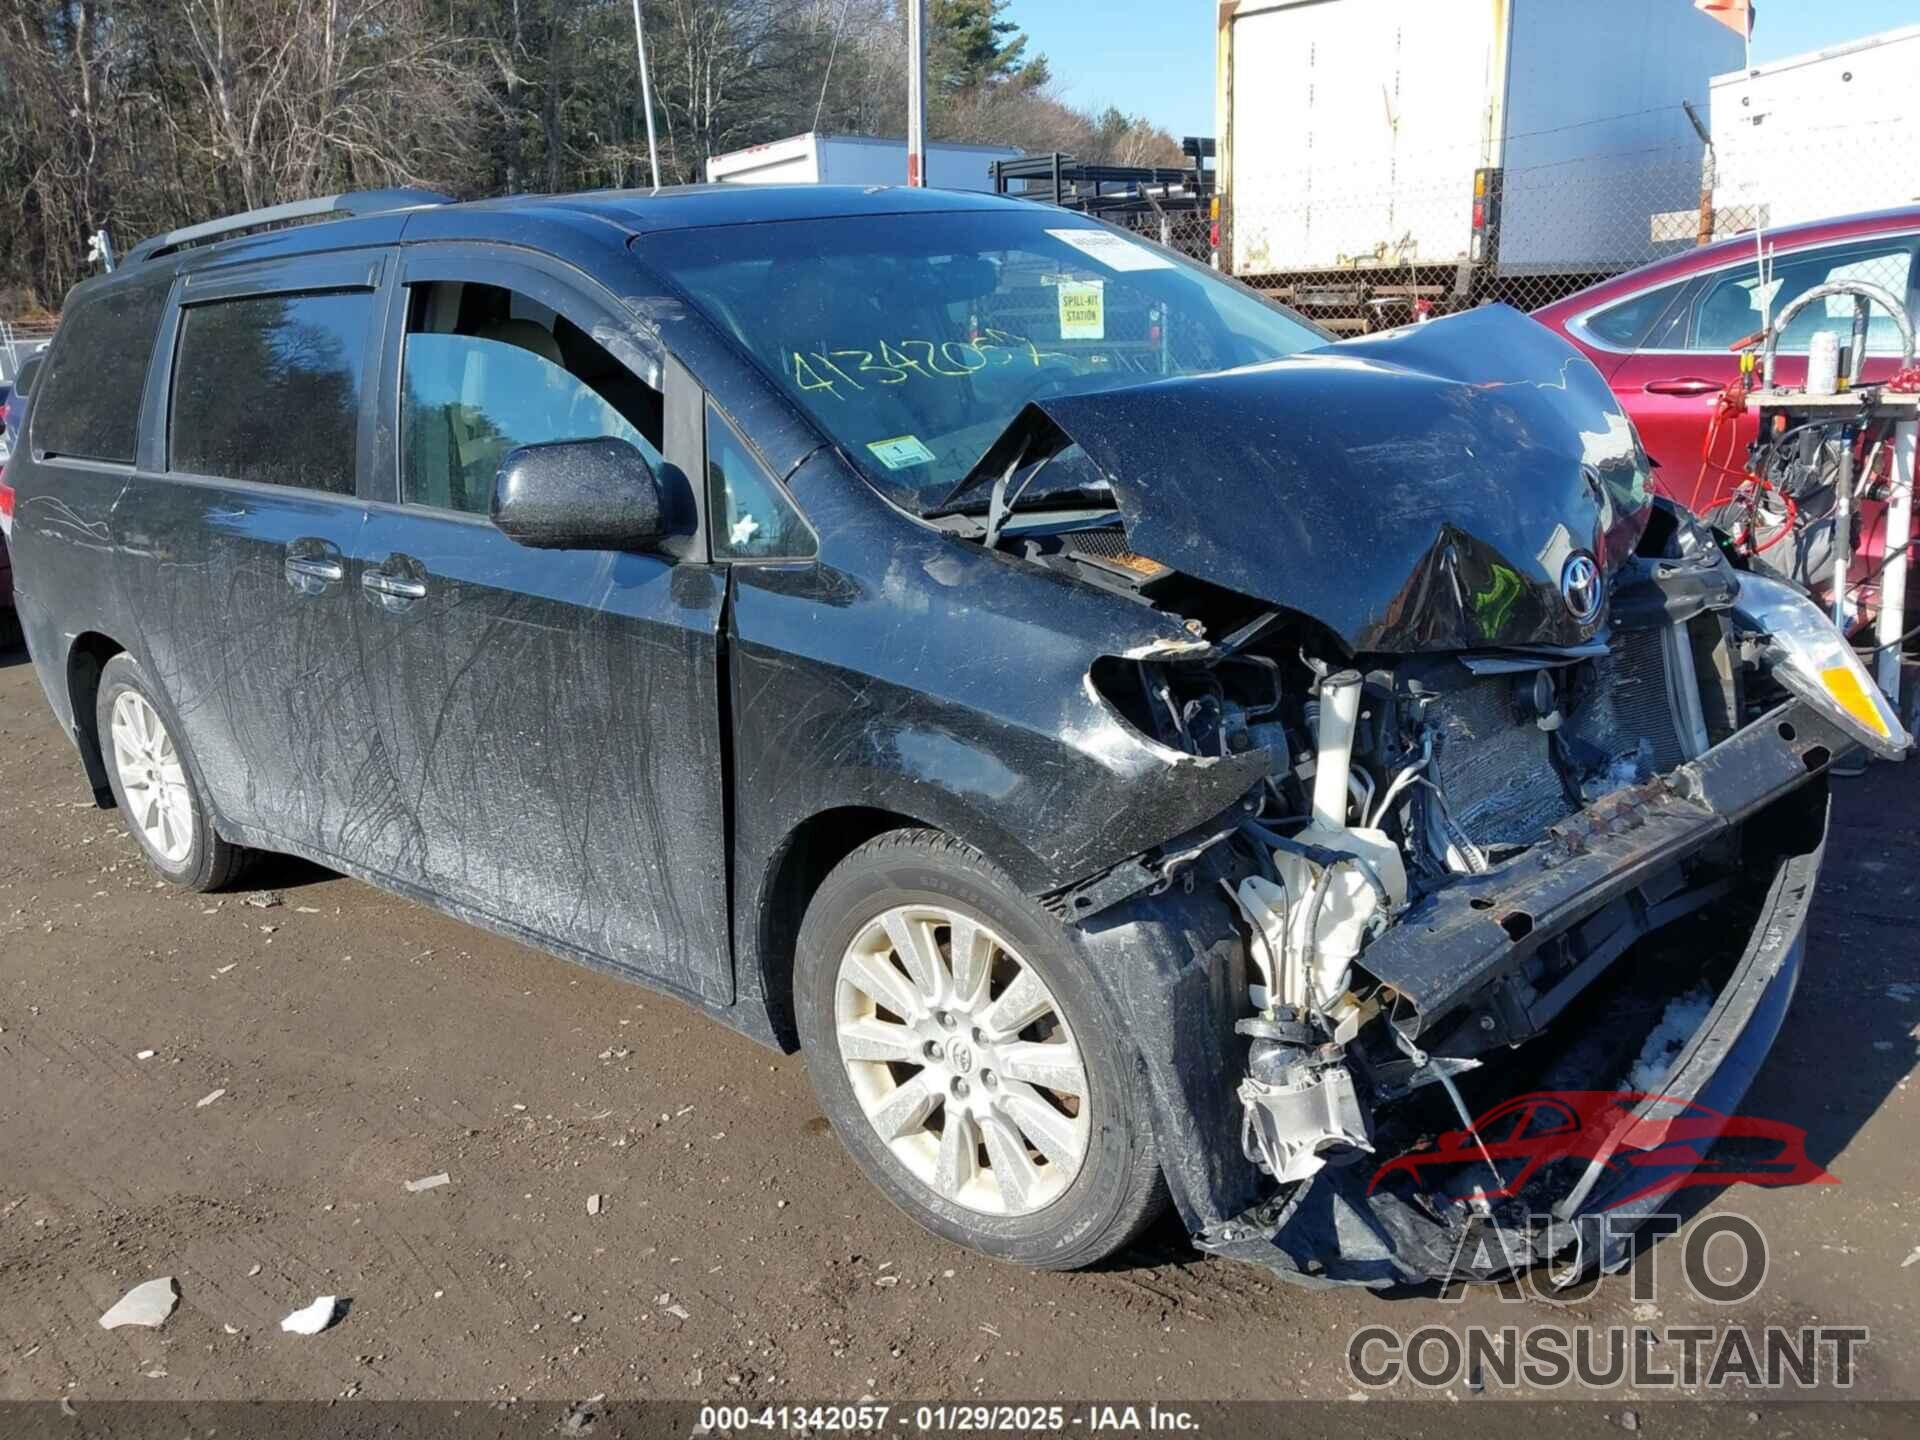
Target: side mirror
579,495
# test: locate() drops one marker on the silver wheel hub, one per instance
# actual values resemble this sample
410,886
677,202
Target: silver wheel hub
151,777
962,1060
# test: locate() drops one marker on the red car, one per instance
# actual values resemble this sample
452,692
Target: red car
1666,336
1671,1144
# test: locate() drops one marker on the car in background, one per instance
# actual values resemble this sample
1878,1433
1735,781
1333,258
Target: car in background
8,624
1668,338
13,405
13,418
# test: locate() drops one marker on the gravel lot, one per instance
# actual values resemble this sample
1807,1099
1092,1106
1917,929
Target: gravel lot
359,1041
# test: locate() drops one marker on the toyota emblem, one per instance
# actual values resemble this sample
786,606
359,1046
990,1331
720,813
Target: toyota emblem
1580,587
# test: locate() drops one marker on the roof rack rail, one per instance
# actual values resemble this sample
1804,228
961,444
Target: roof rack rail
353,202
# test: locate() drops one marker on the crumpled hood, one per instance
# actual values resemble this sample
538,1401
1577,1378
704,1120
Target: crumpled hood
1415,491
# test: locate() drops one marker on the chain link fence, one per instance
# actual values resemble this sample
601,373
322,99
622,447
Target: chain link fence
1379,250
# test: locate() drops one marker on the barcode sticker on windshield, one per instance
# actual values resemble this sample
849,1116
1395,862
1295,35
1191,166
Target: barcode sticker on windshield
901,452
1083,310
1116,252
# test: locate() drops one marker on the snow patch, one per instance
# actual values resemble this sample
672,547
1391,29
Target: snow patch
1684,1015
1622,773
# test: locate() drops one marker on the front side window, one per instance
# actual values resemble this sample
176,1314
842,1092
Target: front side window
1730,308
752,517
268,389
914,340
485,371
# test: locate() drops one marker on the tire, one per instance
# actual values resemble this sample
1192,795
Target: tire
167,797
1090,1181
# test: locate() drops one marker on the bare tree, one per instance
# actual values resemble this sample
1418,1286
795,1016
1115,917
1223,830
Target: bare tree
140,115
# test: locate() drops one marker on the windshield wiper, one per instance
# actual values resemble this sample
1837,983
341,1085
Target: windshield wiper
1003,503
974,476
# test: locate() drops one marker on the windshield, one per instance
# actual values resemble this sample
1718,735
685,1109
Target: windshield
914,340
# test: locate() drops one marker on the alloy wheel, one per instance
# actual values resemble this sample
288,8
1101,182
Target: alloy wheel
962,1060
151,777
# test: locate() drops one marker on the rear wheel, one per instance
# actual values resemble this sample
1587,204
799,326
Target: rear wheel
154,785
971,1066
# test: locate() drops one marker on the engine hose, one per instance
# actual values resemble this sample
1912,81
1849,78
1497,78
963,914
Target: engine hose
1786,526
1879,650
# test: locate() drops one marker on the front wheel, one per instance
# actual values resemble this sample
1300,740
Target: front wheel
975,1071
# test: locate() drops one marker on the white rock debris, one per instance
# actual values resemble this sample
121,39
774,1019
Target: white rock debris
314,1318
149,1305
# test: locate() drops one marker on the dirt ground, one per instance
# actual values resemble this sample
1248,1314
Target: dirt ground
356,1041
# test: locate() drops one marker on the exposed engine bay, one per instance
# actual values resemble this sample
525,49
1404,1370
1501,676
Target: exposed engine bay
1522,731
1402,789
1390,784
1398,782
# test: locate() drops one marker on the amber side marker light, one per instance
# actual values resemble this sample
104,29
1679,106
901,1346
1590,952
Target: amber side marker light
1813,661
1855,698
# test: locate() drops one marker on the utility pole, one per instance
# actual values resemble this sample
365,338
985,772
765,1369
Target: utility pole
916,92
646,95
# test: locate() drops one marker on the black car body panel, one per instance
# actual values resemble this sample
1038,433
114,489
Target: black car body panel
1415,491
642,760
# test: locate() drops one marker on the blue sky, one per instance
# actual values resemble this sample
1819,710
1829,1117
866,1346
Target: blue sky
1155,57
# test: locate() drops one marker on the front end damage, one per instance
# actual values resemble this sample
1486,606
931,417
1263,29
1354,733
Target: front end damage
1544,810
1466,884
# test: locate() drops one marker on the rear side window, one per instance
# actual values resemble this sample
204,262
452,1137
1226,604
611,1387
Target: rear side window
267,389
1625,325
87,400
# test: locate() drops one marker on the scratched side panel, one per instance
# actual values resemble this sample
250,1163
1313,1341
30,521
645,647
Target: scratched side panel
543,744
62,548
913,672
63,577
258,673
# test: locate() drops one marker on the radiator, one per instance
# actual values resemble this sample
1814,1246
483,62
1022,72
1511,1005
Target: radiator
1640,715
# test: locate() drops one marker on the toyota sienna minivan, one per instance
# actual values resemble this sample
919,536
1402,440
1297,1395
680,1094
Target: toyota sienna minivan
1138,749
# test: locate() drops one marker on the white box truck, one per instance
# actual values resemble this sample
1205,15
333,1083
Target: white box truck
1374,151
815,159
1829,132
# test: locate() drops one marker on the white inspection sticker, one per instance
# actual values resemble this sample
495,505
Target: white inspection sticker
1116,252
901,452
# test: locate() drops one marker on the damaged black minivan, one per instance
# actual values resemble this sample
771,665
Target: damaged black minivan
1134,746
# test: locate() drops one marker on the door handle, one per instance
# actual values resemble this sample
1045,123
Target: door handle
395,583
1690,385
397,587
314,566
